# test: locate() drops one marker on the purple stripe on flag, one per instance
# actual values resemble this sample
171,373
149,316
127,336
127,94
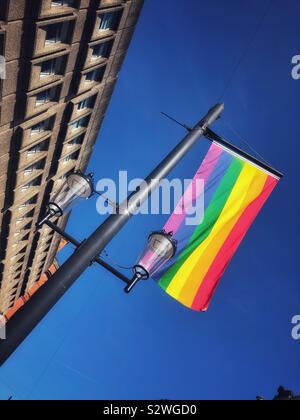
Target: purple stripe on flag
192,193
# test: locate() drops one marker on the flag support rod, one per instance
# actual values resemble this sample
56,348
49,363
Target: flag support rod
212,136
26,319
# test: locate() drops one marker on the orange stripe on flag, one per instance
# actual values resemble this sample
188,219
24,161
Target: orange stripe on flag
229,248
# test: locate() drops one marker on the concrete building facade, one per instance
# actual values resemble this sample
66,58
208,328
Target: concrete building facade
62,62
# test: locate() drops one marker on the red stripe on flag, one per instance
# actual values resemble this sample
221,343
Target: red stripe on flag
212,278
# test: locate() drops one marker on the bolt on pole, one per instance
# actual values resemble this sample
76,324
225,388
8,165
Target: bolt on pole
24,321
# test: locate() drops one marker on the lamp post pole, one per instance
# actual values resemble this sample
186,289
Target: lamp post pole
23,322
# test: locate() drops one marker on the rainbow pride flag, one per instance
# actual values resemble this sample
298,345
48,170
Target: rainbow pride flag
234,191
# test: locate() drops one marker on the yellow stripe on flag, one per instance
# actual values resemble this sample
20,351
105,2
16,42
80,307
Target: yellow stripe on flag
188,279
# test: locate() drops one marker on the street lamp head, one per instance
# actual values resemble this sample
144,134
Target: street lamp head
77,187
160,248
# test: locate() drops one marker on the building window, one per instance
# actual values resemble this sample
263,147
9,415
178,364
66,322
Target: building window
77,141
14,291
102,50
95,75
52,67
26,216
54,33
35,167
48,68
2,58
40,127
45,96
33,200
34,183
61,3
31,213
86,103
64,177
3,13
28,226
41,147
28,170
82,123
72,156
109,21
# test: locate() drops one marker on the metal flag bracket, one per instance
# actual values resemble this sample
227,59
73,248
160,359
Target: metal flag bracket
78,244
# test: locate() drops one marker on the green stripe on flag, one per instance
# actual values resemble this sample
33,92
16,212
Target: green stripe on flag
211,216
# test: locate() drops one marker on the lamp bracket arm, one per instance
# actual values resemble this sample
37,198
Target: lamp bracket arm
97,260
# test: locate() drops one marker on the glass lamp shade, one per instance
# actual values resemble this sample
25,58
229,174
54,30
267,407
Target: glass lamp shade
76,188
161,247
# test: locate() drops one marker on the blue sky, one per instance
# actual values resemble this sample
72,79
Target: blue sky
99,343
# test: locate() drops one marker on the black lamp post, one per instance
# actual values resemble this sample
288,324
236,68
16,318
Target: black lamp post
87,252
